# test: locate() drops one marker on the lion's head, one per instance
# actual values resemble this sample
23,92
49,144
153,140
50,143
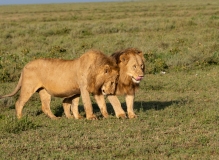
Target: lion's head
103,76
131,64
108,80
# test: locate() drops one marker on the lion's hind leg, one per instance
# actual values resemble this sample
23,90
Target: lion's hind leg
45,98
25,94
67,107
74,107
71,105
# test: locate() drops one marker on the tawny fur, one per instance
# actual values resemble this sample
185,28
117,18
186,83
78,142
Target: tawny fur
93,72
131,67
126,60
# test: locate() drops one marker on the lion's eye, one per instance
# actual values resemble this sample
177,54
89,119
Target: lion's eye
134,66
142,66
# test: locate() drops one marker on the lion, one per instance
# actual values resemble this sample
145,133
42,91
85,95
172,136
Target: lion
131,71
93,72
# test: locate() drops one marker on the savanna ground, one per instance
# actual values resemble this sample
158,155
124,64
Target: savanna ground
178,112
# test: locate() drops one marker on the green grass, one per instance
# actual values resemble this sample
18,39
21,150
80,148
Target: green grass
177,111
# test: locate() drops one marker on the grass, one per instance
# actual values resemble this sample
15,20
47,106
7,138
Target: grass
177,111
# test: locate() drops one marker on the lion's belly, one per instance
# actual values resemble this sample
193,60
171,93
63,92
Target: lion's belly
63,93
63,85
62,90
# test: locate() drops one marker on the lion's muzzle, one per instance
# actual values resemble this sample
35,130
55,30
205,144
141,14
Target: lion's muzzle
138,79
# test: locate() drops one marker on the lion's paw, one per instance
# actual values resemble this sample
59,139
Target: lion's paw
131,116
79,117
92,117
55,118
105,115
122,116
70,117
19,116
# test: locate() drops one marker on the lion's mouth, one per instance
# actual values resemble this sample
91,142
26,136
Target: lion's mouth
138,79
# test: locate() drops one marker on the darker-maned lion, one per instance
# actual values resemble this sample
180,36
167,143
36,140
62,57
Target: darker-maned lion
131,71
93,72
132,68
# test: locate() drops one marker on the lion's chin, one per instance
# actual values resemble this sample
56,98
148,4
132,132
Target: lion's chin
136,81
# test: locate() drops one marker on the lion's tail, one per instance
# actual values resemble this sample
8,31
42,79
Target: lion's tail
15,90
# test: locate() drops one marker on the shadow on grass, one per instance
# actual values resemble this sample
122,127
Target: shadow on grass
156,105
58,111
138,105
144,106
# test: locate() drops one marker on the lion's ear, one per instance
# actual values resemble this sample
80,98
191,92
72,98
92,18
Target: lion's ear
124,58
106,68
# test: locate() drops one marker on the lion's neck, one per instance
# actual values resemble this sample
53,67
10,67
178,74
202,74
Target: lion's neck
126,85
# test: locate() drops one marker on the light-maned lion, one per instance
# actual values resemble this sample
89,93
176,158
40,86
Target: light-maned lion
131,71
93,72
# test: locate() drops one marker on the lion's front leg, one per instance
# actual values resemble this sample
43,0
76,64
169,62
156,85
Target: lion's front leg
87,103
130,104
102,105
116,106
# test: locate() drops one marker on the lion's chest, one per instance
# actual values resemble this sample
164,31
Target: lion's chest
124,89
